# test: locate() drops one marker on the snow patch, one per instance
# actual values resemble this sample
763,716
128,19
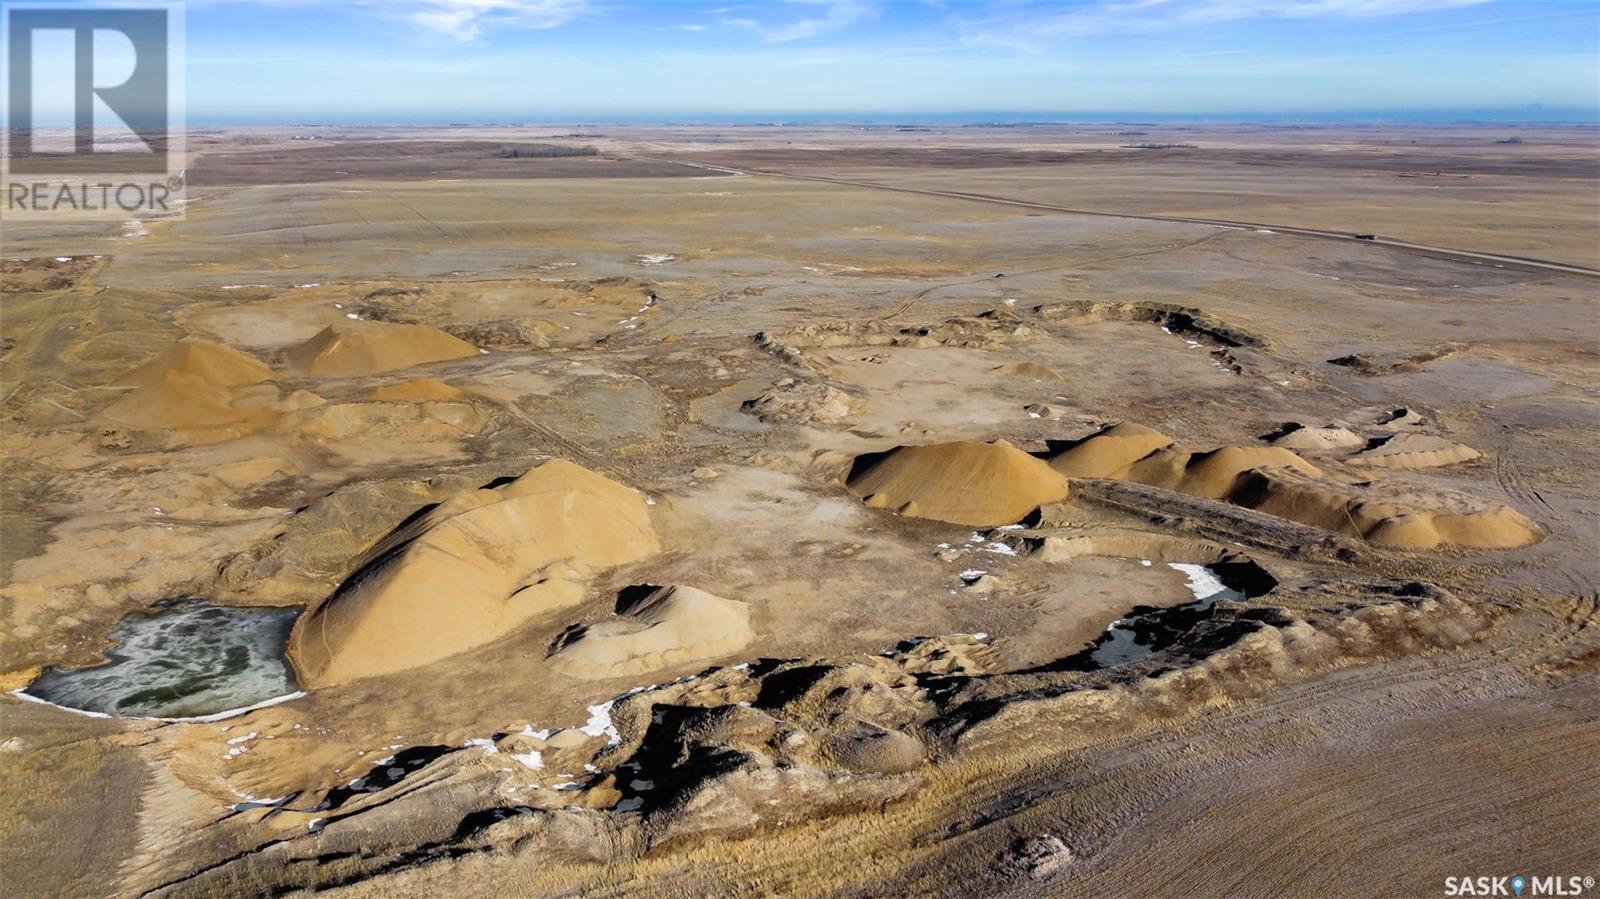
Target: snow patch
1202,581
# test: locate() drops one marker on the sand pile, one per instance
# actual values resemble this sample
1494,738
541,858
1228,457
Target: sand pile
417,390
181,401
1214,474
1029,370
1402,520
1396,446
1109,453
207,361
1414,451
470,570
1324,440
1276,481
656,629
197,386
365,348
966,482
1133,452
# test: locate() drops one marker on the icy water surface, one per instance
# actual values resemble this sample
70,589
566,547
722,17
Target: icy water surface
187,659
1148,631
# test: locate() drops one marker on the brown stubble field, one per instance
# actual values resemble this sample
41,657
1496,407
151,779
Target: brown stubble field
726,345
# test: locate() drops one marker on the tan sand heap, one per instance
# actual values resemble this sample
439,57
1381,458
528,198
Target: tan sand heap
666,627
1414,451
471,570
966,482
417,390
1214,474
1394,518
196,385
181,401
366,347
1329,439
1109,453
1276,481
210,362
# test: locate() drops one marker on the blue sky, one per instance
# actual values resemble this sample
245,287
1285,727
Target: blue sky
596,60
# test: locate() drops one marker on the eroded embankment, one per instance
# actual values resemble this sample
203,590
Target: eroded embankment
749,748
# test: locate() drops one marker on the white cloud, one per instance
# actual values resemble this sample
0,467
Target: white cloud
692,27
465,20
835,14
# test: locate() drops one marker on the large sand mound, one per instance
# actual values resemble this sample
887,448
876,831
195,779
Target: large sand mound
966,482
1108,453
365,348
666,627
211,362
470,570
1414,451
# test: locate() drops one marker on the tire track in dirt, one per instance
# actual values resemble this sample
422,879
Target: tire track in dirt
1512,481
1291,703
419,215
1516,486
